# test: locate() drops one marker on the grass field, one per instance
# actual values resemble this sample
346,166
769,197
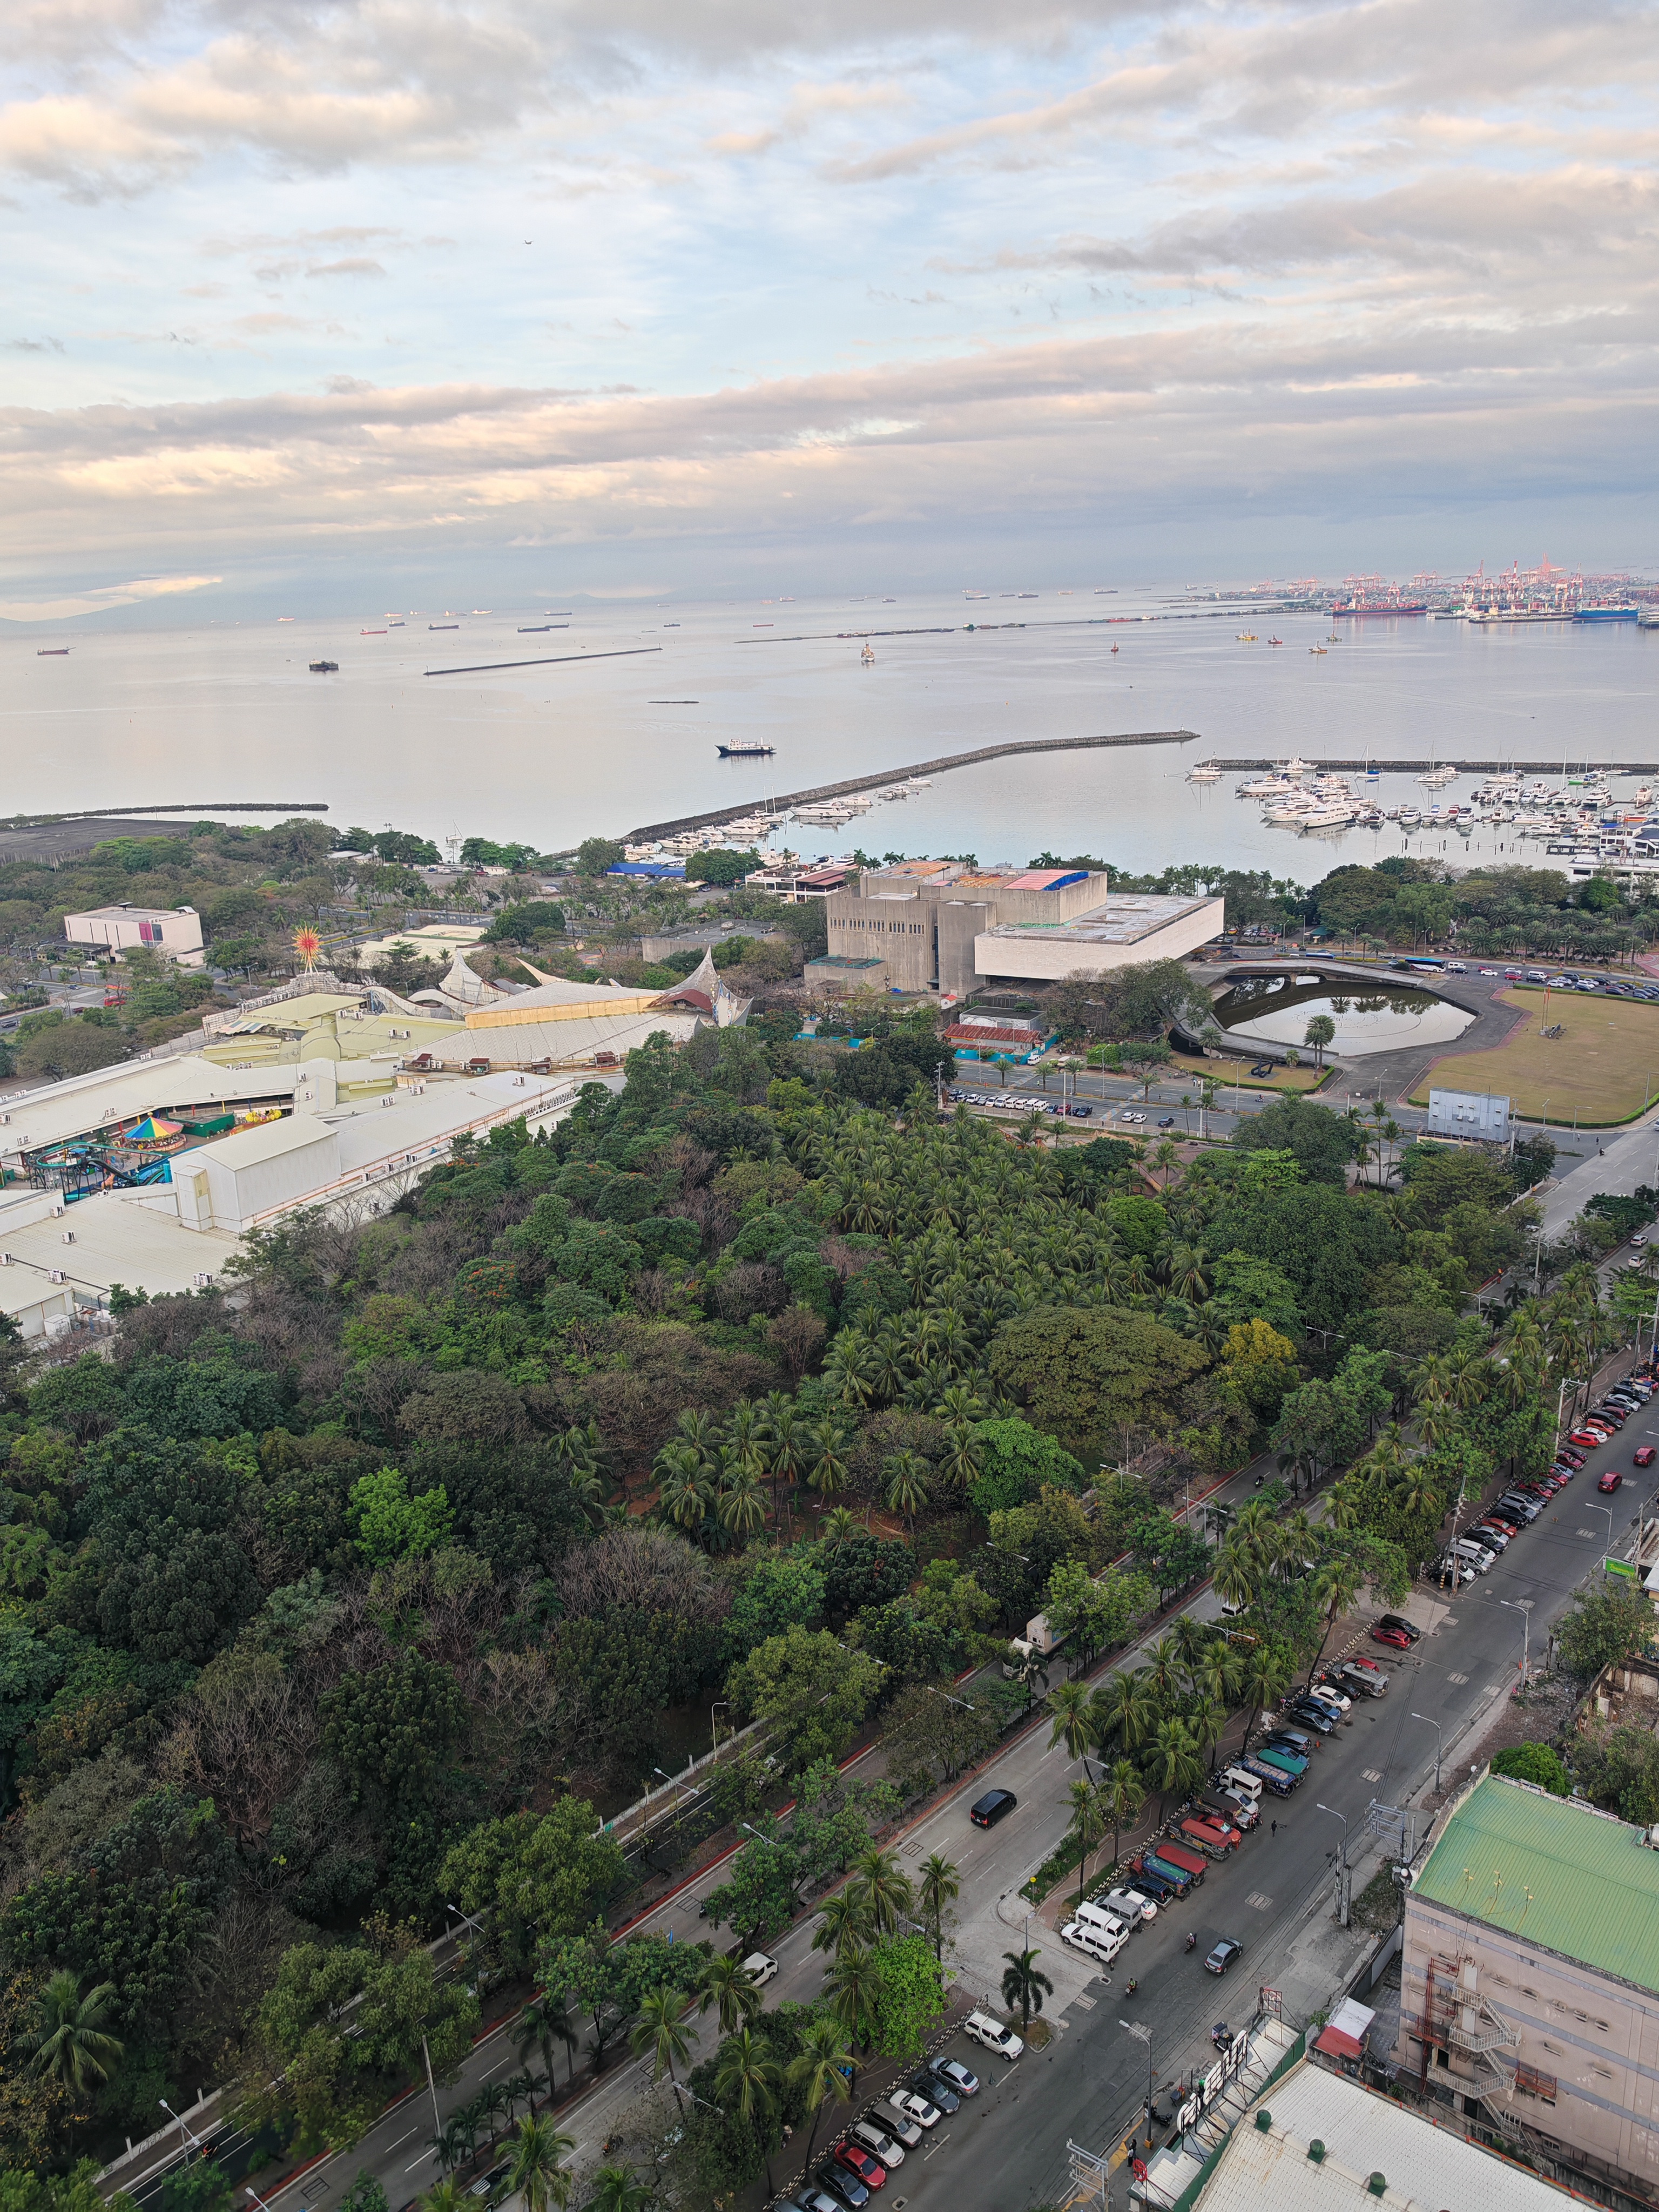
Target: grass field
1603,1066
1305,1078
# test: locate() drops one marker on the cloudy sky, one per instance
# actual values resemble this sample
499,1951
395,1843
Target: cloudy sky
409,296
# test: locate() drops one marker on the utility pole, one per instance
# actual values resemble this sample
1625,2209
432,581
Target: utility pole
1344,1900
1523,1607
1435,1725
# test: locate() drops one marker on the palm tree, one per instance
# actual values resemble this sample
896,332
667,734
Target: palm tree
1321,1031
854,1984
1073,1716
73,2048
662,2030
685,1490
728,1986
749,2073
845,1922
1088,1825
741,1506
827,1448
907,1473
884,1888
1175,1767
820,2068
536,2173
1124,1707
1122,1793
541,2025
619,2189
1267,1677
1335,1586
447,2196
838,1526
1024,1984
940,1886
455,2141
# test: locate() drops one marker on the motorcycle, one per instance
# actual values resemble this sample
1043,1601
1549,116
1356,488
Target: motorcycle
1191,1943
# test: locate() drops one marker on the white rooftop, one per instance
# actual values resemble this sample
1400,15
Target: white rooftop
1424,2166
1126,918
59,1110
119,1237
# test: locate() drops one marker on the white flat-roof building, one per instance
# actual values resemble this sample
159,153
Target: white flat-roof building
1132,928
173,929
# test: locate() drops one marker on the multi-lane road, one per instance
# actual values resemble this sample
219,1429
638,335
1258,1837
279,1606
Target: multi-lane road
1274,1897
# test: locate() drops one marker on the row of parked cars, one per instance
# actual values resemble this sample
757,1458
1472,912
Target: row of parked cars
1211,1829
1475,1550
1021,1101
875,2145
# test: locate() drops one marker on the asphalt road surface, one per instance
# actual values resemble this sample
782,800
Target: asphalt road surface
1007,2147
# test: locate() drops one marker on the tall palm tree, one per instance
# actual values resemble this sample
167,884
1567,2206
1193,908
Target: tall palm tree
1175,1767
844,1919
907,1473
455,2142
729,1986
828,1445
853,1986
73,2048
941,1886
885,1886
749,2075
821,2068
447,2196
536,2173
1267,1676
1024,1984
543,2023
1122,1794
1124,1709
741,1505
663,2032
1336,1584
838,1526
1088,1825
1072,1714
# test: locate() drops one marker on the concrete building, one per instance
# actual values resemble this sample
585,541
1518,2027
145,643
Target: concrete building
176,931
938,926
1530,1978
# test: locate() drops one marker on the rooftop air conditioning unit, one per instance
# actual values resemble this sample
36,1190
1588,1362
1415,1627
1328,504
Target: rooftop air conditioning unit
68,1236
201,1281
56,1206
57,1274
6,1260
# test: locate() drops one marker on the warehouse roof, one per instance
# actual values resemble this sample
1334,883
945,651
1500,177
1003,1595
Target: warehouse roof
59,1110
118,1238
1554,1870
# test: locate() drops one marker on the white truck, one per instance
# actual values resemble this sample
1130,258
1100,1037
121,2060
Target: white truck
1038,1642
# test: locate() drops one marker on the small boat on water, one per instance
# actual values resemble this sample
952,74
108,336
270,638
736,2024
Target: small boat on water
324,667
747,749
866,656
1275,641
1205,772
1319,649
443,625
51,652
1246,637
371,633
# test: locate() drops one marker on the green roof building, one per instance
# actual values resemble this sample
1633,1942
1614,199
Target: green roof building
1530,1978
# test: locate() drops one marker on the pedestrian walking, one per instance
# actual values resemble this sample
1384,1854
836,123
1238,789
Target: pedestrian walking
1274,1828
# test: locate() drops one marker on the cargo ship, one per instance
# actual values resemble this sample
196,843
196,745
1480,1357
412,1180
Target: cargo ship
747,751
1608,614
1356,608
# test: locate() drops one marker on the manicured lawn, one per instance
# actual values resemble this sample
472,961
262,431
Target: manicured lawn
1305,1078
1603,1065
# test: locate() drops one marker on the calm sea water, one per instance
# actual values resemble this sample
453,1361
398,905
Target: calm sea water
206,715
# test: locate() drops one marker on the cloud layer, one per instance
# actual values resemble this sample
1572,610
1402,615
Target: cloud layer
408,273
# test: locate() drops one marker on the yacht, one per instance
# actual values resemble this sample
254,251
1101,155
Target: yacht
1206,772
1327,818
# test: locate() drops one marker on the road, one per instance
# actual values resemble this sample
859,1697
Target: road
1274,1897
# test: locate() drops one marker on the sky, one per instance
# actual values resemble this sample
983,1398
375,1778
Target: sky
396,298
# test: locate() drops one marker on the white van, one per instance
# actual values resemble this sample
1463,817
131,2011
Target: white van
983,2029
1131,1910
1248,1785
1083,1935
1472,1555
1098,1918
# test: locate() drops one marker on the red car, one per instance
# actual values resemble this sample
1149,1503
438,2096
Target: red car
861,2162
1370,1665
1396,1637
1610,1482
1644,1454
1572,1459
1588,1439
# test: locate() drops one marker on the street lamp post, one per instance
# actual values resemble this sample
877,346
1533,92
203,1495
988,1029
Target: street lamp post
1435,1725
1523,1607
1142,2033
184,2129
1608,1510
1343,1901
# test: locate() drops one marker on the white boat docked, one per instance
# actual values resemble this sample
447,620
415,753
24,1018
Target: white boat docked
1206,772
1327,818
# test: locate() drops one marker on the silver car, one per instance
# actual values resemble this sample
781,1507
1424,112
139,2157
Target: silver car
880,2146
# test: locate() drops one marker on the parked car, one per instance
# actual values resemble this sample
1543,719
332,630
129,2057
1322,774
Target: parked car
1316,1717
1331,1693
1151,1886
1393,1636
1399,1620
985,1812
1223,1956
940,2094
817,2200
1643,1456
1167,1123
1366,1666
487,2184
857,2160
904,2130
840,2183
1131,1910
760,1968
1609,1482
1573,1459
911,2105
1587,1439
951,2071
984,2029
876,2140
